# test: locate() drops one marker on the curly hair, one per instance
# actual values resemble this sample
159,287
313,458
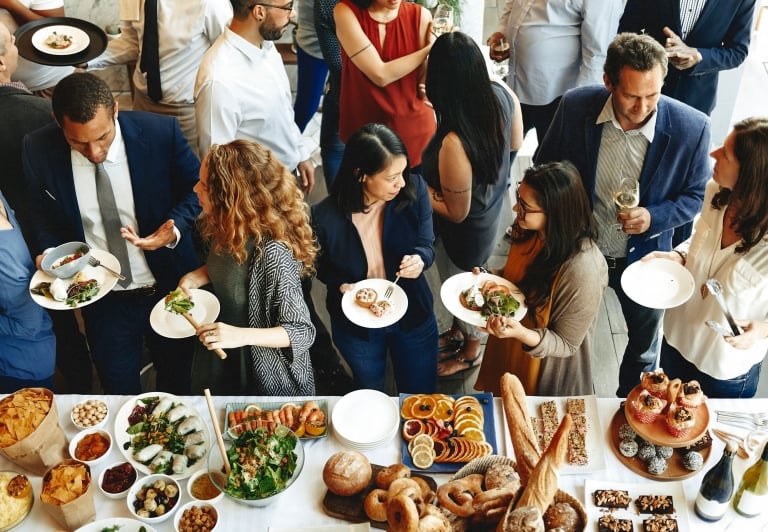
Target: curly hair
639,52
750,193
79,97
254,197
558,189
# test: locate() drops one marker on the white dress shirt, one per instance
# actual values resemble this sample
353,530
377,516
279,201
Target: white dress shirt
242,92
556,45
186,29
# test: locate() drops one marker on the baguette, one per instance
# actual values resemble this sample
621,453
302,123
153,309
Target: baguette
524,440
542,484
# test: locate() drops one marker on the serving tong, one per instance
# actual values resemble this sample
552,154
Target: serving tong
716,289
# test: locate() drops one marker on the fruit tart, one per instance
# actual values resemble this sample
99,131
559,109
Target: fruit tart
656,382
690,395
680,420
647,407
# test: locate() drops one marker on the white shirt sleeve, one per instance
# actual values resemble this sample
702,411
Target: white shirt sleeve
217,115
600,21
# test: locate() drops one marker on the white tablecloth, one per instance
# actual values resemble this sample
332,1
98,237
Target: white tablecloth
301,505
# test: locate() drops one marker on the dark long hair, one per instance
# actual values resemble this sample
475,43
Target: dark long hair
460,91
750,193
367,152
560,193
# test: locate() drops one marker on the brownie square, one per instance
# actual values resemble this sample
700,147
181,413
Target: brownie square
655,504
611,498
660,523
611,523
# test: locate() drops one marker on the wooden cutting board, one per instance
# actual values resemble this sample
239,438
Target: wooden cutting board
351,508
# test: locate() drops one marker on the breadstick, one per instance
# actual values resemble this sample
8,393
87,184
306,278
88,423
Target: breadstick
542,484
524,441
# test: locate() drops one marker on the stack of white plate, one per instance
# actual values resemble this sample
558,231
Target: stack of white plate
365,419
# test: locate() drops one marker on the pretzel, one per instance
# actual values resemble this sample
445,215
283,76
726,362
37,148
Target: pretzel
457,495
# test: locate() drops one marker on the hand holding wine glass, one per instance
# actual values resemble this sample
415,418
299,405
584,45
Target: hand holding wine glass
442,21
626,197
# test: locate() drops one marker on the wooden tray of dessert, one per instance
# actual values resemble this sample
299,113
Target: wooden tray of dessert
657,433
352,508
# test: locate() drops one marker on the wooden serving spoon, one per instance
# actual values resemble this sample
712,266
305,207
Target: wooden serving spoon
193,322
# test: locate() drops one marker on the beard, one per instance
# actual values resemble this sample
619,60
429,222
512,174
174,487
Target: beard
269,31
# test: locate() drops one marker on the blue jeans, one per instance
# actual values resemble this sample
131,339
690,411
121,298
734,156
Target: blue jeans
643,325
413,352
310,81
741,387
331,146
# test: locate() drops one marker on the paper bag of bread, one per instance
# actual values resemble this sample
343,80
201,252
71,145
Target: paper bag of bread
30,435
67,494
518,422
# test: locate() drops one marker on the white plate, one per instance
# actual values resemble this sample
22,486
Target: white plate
170,325
674,488
364,317
105,279
365,417
80,40
125,524
122,437
594,440
657,283
455,285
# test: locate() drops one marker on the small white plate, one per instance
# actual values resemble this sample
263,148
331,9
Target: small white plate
455,285
125,525
674,488
80,40
170,325
657,283
106,281
365,318
365,417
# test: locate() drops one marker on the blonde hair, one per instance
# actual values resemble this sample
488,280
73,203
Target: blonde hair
254,197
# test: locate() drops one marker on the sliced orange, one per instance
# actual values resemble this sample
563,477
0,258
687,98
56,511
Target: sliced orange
405,409
465,424
299,430
473,434
444,410
424,408
314,429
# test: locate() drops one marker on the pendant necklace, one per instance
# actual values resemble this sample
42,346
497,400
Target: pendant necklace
703,289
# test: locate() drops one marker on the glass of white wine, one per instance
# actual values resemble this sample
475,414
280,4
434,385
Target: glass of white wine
442,20
626,196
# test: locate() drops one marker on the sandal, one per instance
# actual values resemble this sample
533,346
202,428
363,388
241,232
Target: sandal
456,366
451,340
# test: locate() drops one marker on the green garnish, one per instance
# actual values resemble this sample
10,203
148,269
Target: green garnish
178,302
499,304
262,462
82,291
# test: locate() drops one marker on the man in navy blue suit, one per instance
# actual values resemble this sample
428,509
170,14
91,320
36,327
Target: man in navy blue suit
152,170
628,129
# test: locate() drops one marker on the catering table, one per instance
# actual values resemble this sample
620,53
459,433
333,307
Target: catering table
301,504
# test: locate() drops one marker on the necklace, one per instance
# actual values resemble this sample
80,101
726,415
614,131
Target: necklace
727,219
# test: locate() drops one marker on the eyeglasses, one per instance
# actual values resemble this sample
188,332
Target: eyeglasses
523,208
286,7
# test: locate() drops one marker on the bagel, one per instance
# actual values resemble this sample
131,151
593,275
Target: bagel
400,484
386,476
365,297
402,514
434,520
426,492
375,505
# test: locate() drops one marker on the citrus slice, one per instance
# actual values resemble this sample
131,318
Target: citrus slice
424,408
314,429
423,459
444,410
422,439
466,424
299,430
256,409
473,434
412,428
405,409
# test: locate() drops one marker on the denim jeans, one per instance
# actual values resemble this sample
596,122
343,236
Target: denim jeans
741,387
413,352
311,74
331,146
643,325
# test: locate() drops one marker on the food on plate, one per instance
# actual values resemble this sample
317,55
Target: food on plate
198,519
375,504
89,413
611,523
156,498
402,513
15,498
699,445
562,516
646,451
490,299
92,446
611,498
646,407
380,308
657,465
74,256
660,523
655,504
655,382
347,473
680,420
73,291
118,478
165,435
691,395
262,463
693,461
305,420
664,452
626,432
628,448
65,482
365,297
178,302
389,474
21,413
58,40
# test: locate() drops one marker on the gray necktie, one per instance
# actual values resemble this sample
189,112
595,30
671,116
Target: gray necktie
111,219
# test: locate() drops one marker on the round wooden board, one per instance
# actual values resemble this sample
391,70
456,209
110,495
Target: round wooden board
657,433
675,469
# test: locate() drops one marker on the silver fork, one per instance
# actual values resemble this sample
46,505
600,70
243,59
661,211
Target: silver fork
391,288
93,261
740,419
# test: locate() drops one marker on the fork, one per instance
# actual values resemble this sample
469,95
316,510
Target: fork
93,261
742,419
391,288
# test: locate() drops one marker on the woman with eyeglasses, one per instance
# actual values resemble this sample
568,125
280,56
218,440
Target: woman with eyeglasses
466,165
554,260
384,46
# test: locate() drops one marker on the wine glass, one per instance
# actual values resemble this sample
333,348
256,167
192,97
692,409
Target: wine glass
442,21
501,49
626,196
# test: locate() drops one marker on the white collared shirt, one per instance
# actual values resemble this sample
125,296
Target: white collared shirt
116,165
242,92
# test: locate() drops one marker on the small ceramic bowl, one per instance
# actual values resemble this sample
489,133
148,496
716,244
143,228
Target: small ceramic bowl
201,488
200,508
90,413
161,490
120,475
52,262
94,446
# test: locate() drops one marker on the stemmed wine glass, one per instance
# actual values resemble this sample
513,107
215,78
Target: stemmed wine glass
626,196
442,21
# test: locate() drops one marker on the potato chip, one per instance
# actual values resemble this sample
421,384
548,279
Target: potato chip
64,483
21,413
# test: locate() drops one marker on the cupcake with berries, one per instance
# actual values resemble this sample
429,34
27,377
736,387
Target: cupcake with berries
680,420
690,395
656,382
646,407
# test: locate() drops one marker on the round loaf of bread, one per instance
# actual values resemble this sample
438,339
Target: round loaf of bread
347,473
563,516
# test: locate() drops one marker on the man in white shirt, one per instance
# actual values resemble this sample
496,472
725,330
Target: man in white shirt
186,29
242,90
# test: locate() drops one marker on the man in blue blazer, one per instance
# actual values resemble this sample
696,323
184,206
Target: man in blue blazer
152,170
628,129
699,47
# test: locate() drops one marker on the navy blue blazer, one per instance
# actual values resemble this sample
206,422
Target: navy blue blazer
721,34
342,259
163,171
674,173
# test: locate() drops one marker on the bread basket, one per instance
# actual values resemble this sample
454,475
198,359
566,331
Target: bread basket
481,465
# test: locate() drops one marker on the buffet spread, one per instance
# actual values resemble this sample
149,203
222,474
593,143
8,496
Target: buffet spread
601,476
